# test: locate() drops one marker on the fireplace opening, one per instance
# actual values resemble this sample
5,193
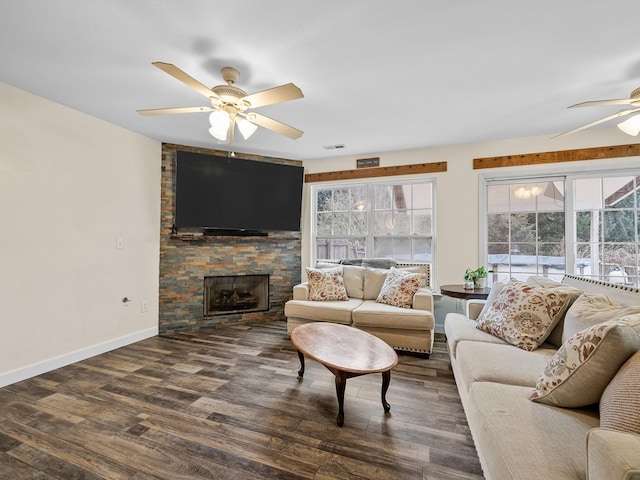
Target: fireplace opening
236,294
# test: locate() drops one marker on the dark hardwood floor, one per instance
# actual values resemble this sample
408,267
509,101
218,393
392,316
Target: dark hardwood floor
227,404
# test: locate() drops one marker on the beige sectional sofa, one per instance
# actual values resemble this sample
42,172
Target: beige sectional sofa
407,329
518,438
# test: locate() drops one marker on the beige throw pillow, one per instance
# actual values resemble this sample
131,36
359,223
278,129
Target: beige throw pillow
620,402
399,288
524,315
582,368
591,309
326,284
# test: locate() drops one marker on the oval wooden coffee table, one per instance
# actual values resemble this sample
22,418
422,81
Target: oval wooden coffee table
347,352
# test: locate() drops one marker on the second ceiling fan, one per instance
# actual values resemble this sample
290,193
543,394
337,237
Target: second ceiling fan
630,126
230,105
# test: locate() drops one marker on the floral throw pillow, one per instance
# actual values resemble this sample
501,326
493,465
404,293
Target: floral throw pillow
524,315
326,284
583,366
399,288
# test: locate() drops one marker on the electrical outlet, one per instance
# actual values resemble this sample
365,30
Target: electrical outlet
144,306
459,305
119,243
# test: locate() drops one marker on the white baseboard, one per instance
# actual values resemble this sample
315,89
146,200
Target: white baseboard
44,366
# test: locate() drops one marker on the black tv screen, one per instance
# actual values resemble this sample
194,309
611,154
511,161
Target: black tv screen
227,193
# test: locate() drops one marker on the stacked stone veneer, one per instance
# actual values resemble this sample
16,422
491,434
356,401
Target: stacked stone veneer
185,262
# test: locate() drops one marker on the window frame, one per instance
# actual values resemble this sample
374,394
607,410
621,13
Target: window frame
568,176
371,186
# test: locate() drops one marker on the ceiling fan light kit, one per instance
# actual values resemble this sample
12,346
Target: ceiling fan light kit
229,105
631,126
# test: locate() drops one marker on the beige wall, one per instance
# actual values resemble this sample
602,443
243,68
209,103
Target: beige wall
457,189
70,186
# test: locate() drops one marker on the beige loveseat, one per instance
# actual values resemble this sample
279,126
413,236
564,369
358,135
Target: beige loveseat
518,438
407,329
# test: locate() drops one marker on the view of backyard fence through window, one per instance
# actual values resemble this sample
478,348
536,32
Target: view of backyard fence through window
375,220
527,225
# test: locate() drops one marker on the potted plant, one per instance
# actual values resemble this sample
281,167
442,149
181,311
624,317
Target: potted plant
469,279
481,277
477,277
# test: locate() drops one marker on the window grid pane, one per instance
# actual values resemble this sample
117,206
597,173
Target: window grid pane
390,220
525,229
607,217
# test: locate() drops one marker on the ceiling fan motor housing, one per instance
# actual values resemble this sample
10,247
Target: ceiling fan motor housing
229,93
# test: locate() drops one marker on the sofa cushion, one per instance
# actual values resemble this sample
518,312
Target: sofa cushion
373,314
490,362
399,288
590,309
338,311
458,328
354,281
522,440
585,364
524,315
326,284
620,402
373,280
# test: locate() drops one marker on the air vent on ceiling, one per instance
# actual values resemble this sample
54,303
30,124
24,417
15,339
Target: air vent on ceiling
334,147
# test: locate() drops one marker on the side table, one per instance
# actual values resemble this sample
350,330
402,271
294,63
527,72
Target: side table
458,291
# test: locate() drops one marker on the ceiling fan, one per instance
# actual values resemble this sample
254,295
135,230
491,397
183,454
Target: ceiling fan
630,126
231,105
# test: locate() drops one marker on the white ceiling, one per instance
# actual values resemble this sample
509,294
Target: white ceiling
377,75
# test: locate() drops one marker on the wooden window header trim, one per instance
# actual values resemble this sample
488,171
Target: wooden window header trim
377,172
596,153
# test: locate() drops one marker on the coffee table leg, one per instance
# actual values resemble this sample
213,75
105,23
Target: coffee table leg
386,378
301,357
341,383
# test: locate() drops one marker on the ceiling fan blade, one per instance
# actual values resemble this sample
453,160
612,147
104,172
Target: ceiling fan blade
621,113
188,80
274,125
280,94
599,103
174,110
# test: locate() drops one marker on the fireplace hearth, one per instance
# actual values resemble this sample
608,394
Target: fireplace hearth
235,294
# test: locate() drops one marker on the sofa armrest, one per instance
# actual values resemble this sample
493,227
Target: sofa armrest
423,299
612,455
474,307
301,292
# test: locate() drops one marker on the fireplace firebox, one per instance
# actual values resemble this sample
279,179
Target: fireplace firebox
235,294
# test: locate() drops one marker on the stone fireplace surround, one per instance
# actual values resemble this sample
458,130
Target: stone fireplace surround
186,260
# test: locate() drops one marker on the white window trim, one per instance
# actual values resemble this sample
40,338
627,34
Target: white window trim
385,181
568,176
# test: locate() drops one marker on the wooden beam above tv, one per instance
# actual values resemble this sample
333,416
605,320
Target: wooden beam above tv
596,153
376,172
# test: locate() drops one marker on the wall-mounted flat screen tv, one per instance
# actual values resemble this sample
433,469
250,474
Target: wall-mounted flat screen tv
227,193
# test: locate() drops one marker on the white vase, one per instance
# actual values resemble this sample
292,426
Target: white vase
480,282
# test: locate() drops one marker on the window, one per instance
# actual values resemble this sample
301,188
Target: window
588,225
526,229
391,220
607,225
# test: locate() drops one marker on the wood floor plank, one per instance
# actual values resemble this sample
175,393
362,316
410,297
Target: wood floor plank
227,404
